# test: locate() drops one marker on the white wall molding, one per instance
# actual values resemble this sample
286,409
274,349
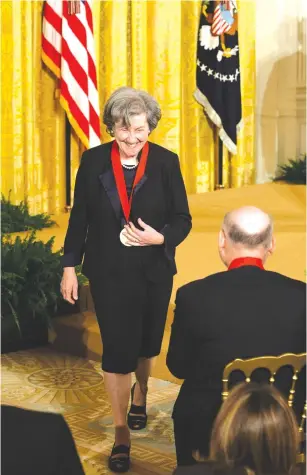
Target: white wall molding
280,84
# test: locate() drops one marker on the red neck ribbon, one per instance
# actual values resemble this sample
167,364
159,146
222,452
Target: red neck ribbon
120,178
246,261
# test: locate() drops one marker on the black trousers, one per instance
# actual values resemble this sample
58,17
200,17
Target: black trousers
131,312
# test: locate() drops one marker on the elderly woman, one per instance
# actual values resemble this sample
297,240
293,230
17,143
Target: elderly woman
130,212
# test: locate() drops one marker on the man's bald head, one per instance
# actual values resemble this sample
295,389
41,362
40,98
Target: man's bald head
249,227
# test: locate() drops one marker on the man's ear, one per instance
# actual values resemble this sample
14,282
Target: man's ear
272,246
222,239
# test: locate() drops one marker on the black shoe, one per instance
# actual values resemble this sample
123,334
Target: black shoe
137,417
119,464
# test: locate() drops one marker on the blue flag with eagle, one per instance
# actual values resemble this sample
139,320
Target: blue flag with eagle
218,68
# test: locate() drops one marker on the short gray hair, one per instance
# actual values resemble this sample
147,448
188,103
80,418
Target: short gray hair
126,102
239,236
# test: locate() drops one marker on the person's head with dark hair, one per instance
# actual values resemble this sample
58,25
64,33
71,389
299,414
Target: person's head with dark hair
256,429
246,232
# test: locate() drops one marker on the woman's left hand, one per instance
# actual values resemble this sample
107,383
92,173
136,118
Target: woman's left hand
148,237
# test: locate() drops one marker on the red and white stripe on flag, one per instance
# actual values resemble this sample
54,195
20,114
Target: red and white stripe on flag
68,50
219,25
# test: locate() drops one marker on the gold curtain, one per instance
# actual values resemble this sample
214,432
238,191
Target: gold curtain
32,135
145,44
243,165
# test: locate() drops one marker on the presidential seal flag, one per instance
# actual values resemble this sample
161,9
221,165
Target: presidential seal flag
218,68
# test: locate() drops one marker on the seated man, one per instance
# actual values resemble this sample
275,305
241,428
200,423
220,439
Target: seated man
37,443
242,313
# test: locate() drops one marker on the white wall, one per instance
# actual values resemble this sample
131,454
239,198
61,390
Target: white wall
280,83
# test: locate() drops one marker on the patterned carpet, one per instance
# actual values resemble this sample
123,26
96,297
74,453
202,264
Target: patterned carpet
42,379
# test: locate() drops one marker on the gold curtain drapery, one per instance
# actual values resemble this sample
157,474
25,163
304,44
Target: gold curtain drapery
32,135
144,44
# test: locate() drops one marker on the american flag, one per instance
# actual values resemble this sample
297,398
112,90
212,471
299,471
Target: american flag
220,24
68,50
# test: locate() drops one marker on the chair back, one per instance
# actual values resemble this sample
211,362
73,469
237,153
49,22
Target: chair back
272,364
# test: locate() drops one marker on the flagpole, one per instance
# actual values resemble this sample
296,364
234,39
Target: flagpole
67,164
220,164
218,149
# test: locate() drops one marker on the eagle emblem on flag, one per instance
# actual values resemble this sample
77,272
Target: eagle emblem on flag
221,22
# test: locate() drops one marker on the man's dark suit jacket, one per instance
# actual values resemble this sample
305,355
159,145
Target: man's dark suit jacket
241,313
96,218
36,443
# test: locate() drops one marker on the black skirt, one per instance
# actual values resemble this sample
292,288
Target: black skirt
131,310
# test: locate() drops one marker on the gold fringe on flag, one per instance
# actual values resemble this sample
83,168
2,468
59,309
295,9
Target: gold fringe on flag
73,6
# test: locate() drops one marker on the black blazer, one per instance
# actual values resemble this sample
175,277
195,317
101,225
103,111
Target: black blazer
96,218
37,443
241,313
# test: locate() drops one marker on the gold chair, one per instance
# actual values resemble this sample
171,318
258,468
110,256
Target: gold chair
272,364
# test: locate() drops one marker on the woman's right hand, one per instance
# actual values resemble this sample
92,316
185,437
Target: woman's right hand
69,285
